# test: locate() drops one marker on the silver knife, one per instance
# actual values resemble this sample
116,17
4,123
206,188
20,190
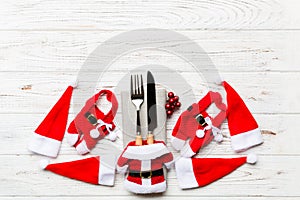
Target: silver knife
151,107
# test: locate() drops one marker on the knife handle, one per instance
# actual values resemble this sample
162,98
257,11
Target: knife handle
150,138
138,140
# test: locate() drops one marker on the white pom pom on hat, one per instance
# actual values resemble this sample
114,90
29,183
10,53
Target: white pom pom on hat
74,83
251,158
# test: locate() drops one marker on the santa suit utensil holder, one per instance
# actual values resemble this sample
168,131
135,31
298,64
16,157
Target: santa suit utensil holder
144,165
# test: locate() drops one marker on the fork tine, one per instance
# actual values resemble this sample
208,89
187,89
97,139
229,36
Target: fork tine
131,85
142,85
138,84
134,85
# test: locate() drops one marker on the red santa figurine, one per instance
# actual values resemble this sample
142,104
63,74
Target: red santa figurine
144,164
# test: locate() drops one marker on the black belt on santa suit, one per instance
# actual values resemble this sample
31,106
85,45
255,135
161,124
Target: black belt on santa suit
146,174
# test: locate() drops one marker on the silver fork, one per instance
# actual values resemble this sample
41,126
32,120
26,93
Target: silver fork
137,98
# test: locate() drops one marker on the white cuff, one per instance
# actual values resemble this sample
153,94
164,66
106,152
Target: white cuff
112,136
82,148
122,170
186,151
72,138
177,143
246,140
107,170
44,145
185,173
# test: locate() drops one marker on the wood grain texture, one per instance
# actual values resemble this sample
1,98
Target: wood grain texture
124,15
253,44
239,51
46,88
267,178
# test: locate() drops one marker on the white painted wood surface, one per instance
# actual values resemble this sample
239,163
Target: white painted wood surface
254,44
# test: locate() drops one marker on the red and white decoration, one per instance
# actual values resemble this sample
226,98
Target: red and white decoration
199,172
49,134
95,170
91,124
145,159
194,129
82,133
188,128
243,128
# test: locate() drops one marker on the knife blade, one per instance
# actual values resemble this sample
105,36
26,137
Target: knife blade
151,107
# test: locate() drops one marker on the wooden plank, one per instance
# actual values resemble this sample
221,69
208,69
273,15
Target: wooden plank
20,128
271,176
229,51
196,197
178,14
45,88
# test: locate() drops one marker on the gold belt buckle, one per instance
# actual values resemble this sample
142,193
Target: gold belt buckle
201,120
150,175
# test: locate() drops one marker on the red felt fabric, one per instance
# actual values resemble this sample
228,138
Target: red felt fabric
81,126
239,118
186,126
135,164
54,124
86,170
208,170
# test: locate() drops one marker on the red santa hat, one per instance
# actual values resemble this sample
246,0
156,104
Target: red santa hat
199,172
49,134
95,170
242,126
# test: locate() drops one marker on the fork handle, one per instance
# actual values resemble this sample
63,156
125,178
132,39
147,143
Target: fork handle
138,139
138,123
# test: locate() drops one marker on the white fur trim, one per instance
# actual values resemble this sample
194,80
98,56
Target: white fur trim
44,145
146,152
82,148
185,173
122,170
244,141
169,165
72,138
107,170
112,136
145,189
218,137
251,158
177,143
43,163
145,165
186,151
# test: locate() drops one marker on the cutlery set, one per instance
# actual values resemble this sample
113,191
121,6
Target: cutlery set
137,98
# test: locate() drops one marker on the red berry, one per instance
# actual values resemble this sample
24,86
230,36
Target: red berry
172,107
176,98
178,104
172,100
167,106
170,94
169,112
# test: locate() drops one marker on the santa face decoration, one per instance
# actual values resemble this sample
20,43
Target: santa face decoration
144,165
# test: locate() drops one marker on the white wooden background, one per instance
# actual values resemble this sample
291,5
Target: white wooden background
254,44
